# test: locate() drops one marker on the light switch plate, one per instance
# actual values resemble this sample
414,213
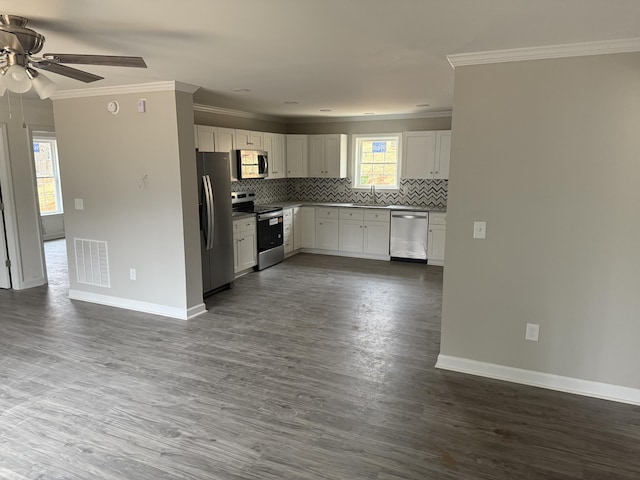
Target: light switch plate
479,229
533,331
79,203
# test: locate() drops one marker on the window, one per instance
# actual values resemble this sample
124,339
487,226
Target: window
45,154
377,161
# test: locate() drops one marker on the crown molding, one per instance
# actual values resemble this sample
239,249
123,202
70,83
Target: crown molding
625,45
372,118
124,89
199,107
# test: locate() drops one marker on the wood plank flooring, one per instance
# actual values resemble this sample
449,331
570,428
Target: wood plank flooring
317,368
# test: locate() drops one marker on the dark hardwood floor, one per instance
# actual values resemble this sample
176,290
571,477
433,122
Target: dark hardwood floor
317,368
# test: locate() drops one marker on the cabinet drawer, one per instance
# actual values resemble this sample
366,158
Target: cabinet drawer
438,218
351,213
288,214
245,225
377,215
322,212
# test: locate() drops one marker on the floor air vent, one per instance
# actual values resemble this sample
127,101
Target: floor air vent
92,262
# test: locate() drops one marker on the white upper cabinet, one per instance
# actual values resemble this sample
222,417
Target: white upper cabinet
274,145
297,155
218,139
443,150
425,155
248,140
328,156
206,138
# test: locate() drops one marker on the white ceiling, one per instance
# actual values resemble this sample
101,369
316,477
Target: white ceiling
350,56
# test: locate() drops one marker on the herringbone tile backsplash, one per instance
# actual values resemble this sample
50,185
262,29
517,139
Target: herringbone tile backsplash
423,193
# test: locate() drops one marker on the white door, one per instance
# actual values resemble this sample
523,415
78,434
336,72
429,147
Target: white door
5,279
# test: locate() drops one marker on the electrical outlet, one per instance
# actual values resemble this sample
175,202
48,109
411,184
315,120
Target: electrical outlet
142,105
132,274
533,331
78,203
479,229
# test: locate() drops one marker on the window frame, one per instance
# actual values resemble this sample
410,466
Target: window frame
355,142
48,137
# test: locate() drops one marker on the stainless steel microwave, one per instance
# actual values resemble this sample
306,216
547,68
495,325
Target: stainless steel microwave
252,164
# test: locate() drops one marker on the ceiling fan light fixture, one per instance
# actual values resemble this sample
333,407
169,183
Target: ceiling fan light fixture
41,84
16,79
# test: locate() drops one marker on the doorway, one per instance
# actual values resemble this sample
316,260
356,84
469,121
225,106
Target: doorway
49,190
5,274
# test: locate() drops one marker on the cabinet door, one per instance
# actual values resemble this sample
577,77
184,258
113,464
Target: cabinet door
288,237
335,156
435,244
376,238
327,233
206,138
297,228
249,140
225,143
274,146
418,154
236,252
297,155
443,149
316,156
246,251
308,230
351,236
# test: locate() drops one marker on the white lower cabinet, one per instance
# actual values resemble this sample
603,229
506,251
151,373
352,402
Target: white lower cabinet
245,248
364,231
436,237
307,235
327,228
298,226
288,231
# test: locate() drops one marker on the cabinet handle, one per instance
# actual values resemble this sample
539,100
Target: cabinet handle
430,172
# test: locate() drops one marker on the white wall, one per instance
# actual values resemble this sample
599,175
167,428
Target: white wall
136,174
546,152
19,188
52,226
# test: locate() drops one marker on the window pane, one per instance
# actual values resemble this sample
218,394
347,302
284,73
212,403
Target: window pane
377,160
47,195
44,159
46,168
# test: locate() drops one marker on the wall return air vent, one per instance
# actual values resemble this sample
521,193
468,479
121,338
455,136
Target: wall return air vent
92,262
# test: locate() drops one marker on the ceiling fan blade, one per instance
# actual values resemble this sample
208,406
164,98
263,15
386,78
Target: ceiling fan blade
74,73
107,60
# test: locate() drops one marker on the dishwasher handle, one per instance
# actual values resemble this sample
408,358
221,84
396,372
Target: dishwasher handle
405,215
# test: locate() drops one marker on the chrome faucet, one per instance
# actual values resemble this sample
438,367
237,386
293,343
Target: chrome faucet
373,193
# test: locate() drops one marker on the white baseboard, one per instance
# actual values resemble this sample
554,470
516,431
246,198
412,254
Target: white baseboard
138,306
339,253
550,381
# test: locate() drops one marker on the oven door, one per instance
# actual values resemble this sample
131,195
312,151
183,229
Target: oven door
270,230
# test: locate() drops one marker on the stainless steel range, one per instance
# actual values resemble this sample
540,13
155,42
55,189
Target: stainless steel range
270,222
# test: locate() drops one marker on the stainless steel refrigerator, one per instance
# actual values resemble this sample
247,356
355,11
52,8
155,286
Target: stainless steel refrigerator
216,225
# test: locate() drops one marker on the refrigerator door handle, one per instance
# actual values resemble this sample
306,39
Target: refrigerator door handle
208,216
211,214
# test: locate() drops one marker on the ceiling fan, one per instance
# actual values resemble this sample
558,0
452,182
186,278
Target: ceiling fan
18,63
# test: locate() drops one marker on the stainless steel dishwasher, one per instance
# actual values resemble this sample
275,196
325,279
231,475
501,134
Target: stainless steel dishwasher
409,235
